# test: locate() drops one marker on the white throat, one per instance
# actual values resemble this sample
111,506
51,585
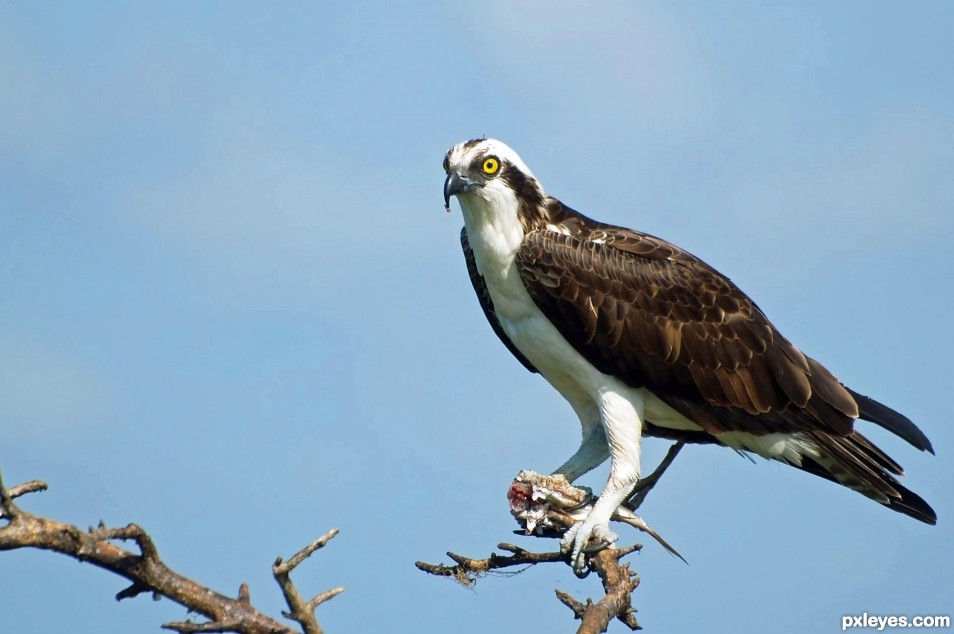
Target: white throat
493,228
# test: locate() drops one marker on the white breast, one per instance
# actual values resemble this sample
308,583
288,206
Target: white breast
495,234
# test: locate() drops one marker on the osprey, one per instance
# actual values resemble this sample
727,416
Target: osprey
643,338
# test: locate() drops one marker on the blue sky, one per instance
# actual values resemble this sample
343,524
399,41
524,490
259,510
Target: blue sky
233,310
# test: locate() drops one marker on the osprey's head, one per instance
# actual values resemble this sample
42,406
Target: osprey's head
488,169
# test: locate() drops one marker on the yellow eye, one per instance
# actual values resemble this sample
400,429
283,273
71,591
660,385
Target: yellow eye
491,165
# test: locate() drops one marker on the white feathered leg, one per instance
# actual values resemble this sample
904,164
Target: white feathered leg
621,422
593,450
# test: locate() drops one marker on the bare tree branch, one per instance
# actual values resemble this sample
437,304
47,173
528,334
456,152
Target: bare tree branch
468,570
188,627
618,581
549,516
300,610
146,572
618,584
546,506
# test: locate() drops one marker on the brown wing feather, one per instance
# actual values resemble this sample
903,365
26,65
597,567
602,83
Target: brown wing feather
653,315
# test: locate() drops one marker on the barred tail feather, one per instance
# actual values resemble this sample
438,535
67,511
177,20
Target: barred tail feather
853,461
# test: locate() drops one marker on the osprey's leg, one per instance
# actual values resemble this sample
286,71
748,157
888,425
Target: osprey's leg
623,428
594,449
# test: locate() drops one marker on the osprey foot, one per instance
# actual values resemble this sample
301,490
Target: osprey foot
583,538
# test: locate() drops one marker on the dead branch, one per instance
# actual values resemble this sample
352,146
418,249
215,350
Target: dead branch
468,570
618,585
618,581
299,609
147,573
546,506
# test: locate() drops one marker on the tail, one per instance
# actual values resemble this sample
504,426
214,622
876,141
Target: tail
895,422
856,463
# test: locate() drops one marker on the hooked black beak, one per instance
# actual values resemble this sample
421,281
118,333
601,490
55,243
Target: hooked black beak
456,184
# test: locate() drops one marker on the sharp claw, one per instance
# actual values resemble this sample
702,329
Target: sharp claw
577,541
569,538
583,503
578,564
595,548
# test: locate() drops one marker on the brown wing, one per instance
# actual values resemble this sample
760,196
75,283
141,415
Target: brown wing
640,309
486,303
